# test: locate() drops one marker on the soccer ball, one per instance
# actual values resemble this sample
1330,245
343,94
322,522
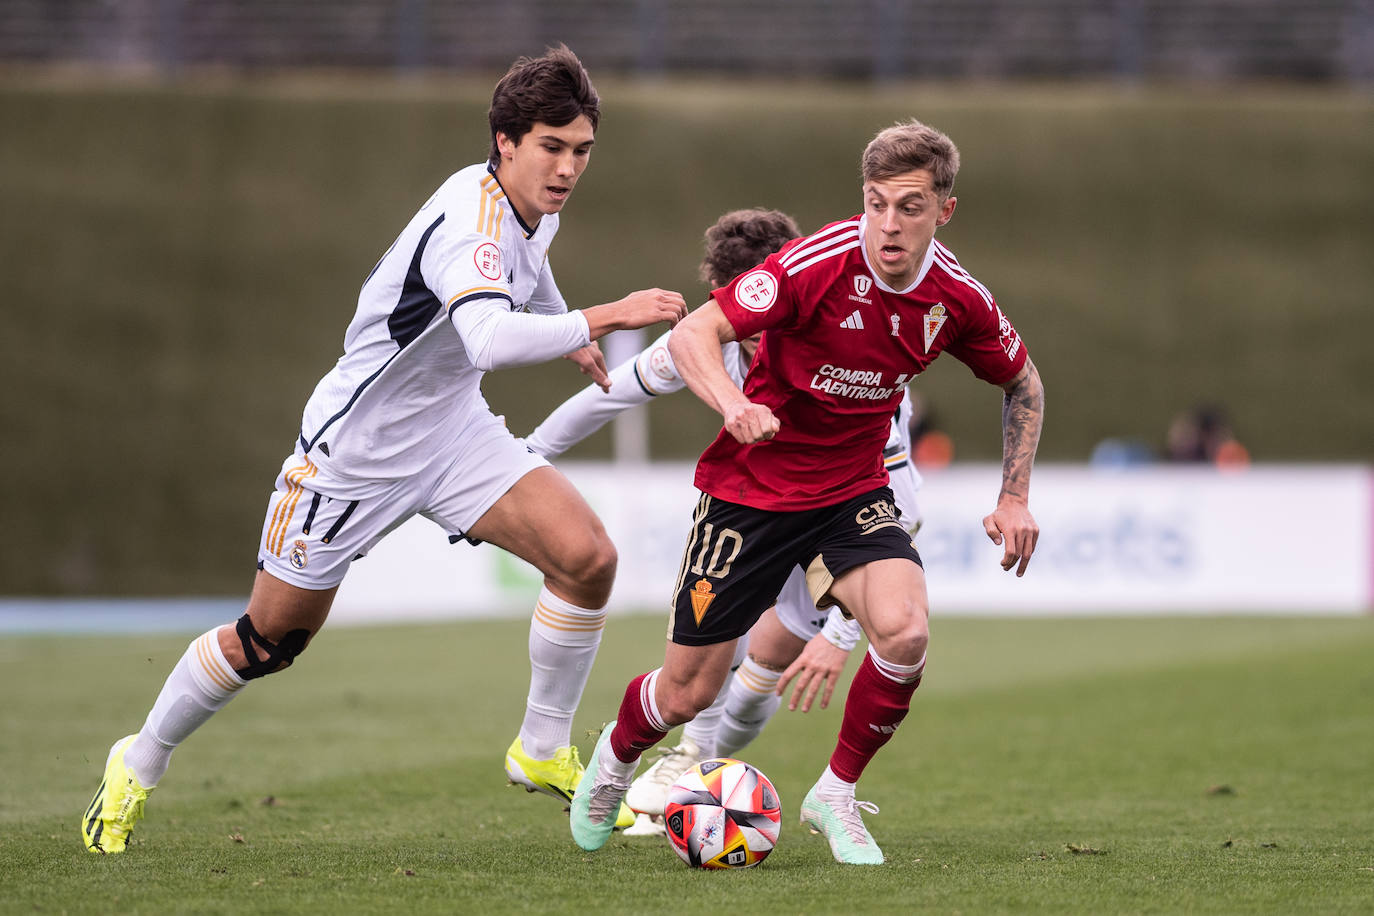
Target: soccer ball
723,813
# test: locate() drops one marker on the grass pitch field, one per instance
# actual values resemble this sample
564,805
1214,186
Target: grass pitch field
1066,766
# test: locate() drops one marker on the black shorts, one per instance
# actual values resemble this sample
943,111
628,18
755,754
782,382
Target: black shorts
738,558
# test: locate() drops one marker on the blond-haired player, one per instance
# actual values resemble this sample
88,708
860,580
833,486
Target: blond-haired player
793,641
849,315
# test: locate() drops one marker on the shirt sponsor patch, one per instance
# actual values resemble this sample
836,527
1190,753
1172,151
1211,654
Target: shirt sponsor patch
1011,341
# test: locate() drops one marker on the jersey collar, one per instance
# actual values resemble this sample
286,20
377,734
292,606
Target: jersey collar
920,274
524,226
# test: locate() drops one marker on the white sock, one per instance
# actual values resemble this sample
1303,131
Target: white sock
751,701
832,786
702,729
563,643
198,687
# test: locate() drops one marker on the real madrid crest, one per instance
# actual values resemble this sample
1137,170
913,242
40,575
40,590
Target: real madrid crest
299,558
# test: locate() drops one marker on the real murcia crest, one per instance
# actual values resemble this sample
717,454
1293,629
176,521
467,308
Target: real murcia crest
862,284
934,321
701,599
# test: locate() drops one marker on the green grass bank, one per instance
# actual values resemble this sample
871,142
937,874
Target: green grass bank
1197,766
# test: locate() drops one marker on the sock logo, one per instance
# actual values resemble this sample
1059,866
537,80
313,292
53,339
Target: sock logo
883,729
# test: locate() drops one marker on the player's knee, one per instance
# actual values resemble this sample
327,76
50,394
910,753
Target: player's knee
590,565
902,643
262,656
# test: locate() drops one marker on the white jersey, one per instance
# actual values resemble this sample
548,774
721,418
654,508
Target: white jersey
446,302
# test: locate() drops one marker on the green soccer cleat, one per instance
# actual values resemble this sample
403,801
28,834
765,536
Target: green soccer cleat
118,804
557,777
593,815
840,822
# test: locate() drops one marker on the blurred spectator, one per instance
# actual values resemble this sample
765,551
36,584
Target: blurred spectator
1203,434
1121,453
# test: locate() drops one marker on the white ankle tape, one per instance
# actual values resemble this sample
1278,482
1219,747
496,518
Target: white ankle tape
901,674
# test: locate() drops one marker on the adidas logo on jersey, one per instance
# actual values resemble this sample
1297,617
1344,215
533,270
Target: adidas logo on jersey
854,322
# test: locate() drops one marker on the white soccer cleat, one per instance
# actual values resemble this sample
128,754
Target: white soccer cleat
649,793
646,825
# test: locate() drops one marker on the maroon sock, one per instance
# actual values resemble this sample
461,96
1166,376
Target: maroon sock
634,731
876,705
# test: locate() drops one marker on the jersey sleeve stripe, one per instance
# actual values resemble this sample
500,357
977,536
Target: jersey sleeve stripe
468,293
818,241
478,292
644,386
950,265
490,214
958,269
829,253
485,194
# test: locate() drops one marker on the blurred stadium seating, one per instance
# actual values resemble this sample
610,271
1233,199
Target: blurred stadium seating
1329,40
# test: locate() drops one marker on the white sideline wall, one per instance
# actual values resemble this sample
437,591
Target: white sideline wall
1270,539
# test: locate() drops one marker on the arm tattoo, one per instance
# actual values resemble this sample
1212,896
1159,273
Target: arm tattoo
1023,415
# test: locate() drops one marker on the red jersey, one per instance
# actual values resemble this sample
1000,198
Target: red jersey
840,348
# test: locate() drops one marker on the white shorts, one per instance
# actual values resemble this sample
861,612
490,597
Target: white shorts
310,537
796,610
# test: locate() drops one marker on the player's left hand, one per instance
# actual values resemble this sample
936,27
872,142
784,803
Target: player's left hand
592,363
1011,526
819,665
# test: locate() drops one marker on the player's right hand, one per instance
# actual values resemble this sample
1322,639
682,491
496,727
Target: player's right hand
820,665
749,422
650,306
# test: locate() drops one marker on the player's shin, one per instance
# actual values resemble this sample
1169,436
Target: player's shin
703,731
199,686
879,698
751,700
563,642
